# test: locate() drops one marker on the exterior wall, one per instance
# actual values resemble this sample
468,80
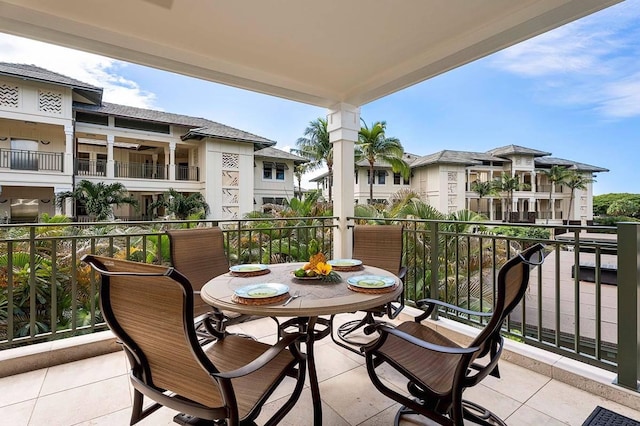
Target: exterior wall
32,101
380,191
272,188
229,182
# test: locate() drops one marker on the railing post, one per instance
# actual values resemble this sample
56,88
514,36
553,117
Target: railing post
434,265
628,304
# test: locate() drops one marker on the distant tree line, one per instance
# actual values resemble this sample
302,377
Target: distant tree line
609,209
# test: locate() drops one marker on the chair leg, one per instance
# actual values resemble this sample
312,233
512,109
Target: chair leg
480,415
349,327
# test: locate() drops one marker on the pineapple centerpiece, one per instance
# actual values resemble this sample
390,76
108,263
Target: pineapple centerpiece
317,266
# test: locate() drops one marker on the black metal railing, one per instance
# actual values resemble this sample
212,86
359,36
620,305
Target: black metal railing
84,167
16,159
140,171
187,173
570,307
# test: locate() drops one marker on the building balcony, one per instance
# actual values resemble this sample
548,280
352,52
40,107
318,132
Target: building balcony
563,356
136,170
21,160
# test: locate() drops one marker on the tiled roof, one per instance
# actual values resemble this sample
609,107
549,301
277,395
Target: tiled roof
270,152
551,161
200,127
456,157
407,157
32,72
517,149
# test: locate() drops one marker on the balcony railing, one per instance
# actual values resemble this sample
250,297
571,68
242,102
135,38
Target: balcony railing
85,167
16,159
187,173
47,293
141,171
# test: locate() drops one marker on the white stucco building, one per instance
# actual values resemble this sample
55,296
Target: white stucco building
444,180
55,131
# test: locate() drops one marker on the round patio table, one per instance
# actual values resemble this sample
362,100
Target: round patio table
315,298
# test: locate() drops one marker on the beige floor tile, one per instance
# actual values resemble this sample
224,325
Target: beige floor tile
82,403
516,382
21,387
497,402
353,396
258,328
565,403
527,416
331,362
84,372
17,414
302,413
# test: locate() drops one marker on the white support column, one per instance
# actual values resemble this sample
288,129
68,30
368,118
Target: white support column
492,213
172,161
533,182
154,157
343,124
68,150
111,164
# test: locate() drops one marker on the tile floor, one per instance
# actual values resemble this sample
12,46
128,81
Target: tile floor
96,391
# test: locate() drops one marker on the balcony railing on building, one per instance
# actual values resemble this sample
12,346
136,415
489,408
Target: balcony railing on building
16,159
141,170
187,172
47,293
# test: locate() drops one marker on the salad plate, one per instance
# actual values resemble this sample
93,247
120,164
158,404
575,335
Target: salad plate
248,268
262,290
371,281
344,263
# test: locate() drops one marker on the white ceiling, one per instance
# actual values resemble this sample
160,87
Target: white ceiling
317,52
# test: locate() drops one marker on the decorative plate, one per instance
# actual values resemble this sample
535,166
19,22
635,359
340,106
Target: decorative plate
345,263
371,281
248,268
261,291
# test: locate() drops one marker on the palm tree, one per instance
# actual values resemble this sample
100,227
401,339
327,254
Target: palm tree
374,145
483,189
576,180
98,198
316,147
298,171
556,174
180,205
508,184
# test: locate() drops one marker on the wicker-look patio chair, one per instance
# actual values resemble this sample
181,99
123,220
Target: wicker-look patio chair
149,308
199,255
380,246
437,369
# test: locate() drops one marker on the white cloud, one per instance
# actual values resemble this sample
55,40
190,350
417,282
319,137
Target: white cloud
591,62
87,67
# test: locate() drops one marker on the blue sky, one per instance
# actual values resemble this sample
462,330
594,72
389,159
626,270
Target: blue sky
574,92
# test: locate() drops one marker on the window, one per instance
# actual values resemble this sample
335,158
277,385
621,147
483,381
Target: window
129,123
397,179
382,175
356,177
24,154
101,164
280,171
83,163
267,170
86,117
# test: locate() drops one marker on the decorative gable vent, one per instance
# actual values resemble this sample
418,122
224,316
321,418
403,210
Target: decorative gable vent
230,161
9,96
50,102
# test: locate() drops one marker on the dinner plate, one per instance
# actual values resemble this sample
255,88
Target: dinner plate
248,267
261,291
371,281
345,263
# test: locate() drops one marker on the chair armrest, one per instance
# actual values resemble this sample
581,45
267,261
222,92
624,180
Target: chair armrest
432,303
451,350
263,359
402,273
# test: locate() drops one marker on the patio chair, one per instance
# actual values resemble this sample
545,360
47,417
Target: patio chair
149,308
437,369
380,246
199,255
